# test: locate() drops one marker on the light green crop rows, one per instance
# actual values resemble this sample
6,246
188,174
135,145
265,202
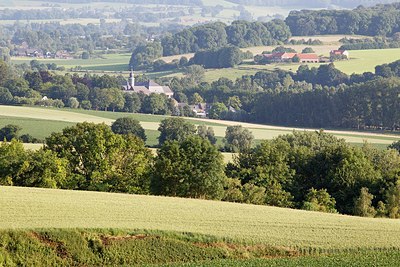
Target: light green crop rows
51,208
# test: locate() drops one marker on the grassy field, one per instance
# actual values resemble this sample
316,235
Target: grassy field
108,62
43,121
31,208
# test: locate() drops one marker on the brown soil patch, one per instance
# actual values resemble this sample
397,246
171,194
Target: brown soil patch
56,245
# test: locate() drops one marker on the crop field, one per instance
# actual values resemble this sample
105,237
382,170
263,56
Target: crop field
49,120
108,62
371,258
29,208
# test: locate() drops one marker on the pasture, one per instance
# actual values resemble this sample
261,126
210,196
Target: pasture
30,208
43,121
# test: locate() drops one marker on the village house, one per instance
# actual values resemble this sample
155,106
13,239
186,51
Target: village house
63,55
339,54
147,88
308,58
200,110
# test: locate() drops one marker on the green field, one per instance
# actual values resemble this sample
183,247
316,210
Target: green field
30,208
107,62
40,122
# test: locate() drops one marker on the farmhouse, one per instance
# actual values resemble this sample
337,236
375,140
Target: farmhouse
199,110
308,58
147,88
339,54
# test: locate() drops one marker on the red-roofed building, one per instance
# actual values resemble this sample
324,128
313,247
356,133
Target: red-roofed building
343,53
308,58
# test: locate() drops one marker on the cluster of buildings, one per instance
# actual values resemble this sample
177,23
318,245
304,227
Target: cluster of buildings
151,87
25,51
282,57
147,88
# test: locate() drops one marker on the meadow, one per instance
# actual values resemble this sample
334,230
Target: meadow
40,122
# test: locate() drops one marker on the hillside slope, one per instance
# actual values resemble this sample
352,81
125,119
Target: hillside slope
31,208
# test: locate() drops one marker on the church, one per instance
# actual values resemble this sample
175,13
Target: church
147,88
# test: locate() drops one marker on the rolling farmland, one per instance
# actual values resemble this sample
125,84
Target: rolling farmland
30,208
44,121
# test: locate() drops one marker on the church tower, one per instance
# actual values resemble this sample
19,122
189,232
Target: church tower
131,80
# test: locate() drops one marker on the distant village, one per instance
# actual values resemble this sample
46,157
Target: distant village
25,51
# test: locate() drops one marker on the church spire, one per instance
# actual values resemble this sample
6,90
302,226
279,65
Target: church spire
131,80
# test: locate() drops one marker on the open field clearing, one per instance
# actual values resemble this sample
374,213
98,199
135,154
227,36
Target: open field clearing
151,122
46,208
109,62
366,60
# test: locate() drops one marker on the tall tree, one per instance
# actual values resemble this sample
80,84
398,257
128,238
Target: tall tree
175,129
190,168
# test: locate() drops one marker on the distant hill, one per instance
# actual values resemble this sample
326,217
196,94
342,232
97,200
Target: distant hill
312,4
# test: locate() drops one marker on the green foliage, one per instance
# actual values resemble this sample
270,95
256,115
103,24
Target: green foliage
363,204
395,145
194,74
308,50
9,132
128,125
225,57
319,200
217,110
73,102
155,104
196,99
282,49
143,56
34,169
5,96
190,168
373,21
238,139
100,160
206,133
393,201
175,129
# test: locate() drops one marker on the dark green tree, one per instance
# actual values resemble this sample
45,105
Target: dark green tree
363,204
238,139
128,125
190,168
9,132
319,200
98,158
207,133
217,110
175,129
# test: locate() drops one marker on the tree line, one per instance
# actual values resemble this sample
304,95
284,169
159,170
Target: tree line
311,97
379,20
305,170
